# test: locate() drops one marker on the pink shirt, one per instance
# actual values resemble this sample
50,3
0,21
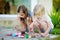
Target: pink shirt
44,20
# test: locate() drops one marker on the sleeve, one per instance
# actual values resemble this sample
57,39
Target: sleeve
48,19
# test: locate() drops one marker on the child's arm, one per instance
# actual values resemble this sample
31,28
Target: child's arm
29,20
37,24
49,24
31,29
46,33
21,24
33,25
17,21
49,28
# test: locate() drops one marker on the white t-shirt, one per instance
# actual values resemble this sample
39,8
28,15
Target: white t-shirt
44,19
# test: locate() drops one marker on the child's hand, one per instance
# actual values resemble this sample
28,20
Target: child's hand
33,35
16,27
35,23
42,34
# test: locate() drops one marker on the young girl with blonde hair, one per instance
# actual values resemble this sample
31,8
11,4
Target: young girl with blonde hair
41,21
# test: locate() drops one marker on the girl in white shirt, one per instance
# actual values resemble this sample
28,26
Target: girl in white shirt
41,21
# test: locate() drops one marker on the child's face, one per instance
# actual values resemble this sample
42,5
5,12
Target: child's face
40,12
21,13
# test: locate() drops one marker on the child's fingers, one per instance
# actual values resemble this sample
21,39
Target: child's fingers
36,23
22,16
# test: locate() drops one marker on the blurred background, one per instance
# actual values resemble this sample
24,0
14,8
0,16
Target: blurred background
10,6
8,11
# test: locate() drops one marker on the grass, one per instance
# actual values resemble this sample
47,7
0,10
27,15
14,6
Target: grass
57,38
55,31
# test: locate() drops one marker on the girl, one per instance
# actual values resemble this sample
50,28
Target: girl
23,18
41,21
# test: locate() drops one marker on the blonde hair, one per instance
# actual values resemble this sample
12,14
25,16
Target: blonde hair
37,8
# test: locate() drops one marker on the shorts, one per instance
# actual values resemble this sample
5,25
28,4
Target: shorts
42,30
